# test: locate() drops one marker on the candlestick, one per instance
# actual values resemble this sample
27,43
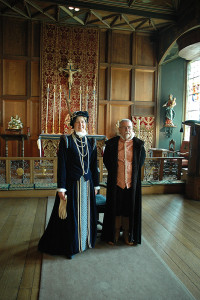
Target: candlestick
94,105
60,92
54,101
47,107
138,126
80,97
87,98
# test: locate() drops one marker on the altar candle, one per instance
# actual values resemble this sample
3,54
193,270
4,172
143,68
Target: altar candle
87,98
80,97
60,91
94,100
138,126
54,101
47,106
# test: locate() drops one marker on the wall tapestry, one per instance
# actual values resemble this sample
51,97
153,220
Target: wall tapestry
69,69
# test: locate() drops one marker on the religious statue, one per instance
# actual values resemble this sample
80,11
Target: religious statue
70,71
169,112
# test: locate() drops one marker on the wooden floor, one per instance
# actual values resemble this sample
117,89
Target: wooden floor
171,224
21,225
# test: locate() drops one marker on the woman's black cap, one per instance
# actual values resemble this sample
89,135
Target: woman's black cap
76,114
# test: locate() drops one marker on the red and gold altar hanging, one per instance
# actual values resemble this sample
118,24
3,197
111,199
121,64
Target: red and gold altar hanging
61,45
144,129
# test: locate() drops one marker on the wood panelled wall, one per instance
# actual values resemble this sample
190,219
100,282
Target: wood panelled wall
20,80
127,78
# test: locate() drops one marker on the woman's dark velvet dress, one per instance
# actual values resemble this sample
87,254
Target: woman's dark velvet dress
62,237
110,159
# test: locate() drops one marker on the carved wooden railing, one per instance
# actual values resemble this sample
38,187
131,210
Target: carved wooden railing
162,168
30,170
155,169
43,170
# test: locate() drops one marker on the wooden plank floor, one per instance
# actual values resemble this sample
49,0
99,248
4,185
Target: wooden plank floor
21,225
171,225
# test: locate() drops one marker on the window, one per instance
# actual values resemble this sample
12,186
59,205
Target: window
193,95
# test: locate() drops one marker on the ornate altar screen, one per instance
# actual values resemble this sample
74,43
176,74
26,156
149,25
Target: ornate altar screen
69,60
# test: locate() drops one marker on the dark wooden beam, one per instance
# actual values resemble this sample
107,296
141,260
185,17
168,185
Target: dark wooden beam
141,24
118,8
114,20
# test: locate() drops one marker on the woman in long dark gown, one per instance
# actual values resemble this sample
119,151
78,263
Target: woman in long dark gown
72,225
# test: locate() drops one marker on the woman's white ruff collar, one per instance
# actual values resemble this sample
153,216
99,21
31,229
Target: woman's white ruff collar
81,133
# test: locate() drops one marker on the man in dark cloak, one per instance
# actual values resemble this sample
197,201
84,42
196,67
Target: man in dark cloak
123,157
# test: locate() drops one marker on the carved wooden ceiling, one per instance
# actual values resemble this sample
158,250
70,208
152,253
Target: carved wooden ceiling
132,15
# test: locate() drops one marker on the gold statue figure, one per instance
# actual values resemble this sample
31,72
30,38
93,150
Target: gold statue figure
70,71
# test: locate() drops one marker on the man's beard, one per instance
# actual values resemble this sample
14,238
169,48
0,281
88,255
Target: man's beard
127,135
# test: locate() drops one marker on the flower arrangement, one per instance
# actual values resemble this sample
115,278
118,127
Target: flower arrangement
15,123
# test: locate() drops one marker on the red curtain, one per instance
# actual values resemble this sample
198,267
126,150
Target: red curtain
61,44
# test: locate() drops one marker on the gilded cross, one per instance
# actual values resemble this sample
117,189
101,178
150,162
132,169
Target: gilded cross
69,70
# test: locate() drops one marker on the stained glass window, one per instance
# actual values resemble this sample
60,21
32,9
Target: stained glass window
193,94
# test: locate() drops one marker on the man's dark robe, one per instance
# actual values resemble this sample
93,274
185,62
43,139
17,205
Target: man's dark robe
110,159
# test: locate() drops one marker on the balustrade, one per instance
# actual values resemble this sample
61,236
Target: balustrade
41,172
